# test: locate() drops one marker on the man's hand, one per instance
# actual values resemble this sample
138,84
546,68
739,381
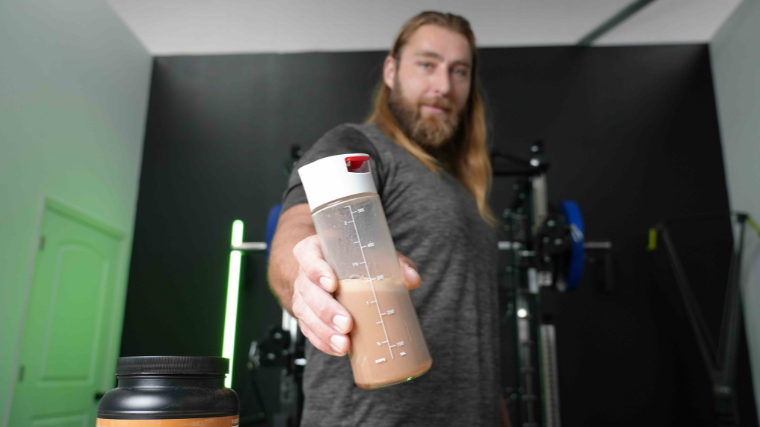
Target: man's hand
323,320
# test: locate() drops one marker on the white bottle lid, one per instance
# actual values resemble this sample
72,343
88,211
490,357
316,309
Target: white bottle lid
335,177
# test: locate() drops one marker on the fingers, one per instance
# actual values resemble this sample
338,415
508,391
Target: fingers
308,253
316,341
322,336
412,278
325,319
323,305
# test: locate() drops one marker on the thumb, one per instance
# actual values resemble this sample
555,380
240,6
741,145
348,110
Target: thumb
412,278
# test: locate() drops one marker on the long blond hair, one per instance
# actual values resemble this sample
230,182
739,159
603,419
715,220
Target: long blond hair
468,157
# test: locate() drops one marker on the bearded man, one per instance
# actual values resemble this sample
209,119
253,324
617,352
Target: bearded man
426,138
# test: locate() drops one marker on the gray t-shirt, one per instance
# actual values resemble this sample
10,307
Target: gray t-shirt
435,222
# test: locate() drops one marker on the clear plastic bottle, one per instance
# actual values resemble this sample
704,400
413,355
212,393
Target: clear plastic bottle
387,344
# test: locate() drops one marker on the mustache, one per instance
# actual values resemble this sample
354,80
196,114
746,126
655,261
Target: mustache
442,103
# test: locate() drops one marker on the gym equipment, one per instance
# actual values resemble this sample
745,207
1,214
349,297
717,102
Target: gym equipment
281,347
548,252
272,218
720,359
572,214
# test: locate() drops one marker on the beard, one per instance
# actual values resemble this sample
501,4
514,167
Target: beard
432,132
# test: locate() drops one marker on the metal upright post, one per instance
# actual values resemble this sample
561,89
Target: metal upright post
547,353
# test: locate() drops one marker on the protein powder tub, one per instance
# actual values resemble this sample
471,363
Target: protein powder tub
170,391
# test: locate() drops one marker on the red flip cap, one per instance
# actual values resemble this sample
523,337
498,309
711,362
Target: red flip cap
355,162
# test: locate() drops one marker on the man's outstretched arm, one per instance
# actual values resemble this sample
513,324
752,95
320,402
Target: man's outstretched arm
303,281
295,224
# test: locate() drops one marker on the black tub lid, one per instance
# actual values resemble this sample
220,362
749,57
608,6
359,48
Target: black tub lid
172,365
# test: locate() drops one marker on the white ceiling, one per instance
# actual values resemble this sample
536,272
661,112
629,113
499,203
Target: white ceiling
192,27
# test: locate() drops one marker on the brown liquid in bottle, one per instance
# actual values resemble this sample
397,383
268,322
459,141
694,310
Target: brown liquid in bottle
388,352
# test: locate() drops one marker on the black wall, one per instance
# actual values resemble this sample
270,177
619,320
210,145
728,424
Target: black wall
632,136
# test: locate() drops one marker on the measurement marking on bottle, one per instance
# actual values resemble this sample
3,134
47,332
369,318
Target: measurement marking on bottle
380,360
364,258
371,302
403,353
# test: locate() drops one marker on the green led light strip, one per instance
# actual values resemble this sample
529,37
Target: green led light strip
233,287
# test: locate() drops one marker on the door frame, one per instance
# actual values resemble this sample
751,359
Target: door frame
114,335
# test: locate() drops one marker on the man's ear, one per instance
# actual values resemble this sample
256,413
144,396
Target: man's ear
389,71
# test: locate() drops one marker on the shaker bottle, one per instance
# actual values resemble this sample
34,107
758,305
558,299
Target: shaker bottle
387,345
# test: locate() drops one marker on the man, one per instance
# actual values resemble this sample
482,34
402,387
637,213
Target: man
427,141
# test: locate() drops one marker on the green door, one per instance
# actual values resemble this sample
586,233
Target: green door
68,318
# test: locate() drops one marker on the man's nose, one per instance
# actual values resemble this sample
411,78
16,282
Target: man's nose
441,83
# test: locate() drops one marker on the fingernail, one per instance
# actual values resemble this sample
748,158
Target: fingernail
338,341
341,322
413,269
326,282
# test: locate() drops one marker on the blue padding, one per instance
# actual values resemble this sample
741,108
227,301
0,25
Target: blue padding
572,214
274,216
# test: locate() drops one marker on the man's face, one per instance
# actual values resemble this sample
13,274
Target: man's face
430,84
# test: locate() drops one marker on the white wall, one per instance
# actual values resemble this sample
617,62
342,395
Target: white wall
74,86
735,54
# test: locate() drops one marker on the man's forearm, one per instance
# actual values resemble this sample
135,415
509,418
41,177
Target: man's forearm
295,225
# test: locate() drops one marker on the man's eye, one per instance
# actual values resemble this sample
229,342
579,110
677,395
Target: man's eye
461,72
426,65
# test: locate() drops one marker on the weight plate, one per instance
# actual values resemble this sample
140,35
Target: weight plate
274,216
572,214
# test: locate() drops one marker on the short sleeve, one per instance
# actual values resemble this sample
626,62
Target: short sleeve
342,140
